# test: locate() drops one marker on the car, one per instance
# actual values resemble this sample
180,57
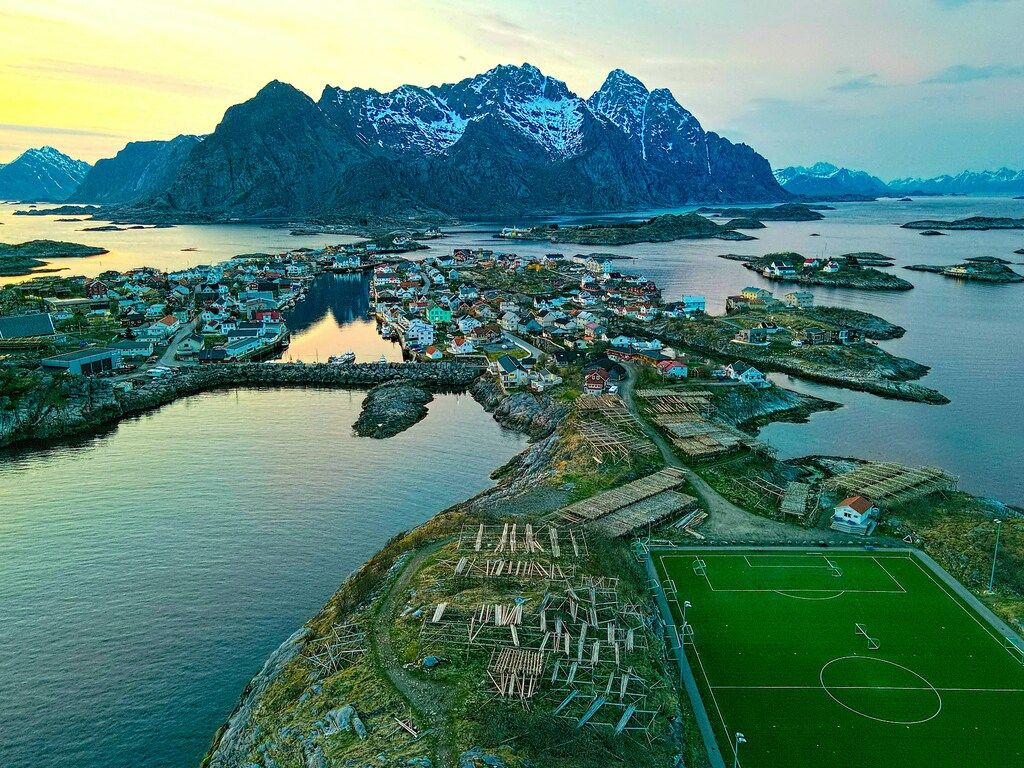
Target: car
613,388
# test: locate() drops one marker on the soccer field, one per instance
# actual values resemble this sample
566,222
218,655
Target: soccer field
845,659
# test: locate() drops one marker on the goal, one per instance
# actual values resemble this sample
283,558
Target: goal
872,643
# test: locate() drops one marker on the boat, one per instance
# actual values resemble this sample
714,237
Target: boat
383,359
346,359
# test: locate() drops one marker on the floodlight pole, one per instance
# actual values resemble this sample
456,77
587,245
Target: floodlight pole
740,739
995,554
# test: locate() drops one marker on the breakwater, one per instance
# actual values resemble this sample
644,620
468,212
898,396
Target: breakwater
63,407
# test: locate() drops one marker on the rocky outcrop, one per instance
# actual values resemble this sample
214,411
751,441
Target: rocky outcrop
392,408
236,738
534,415
64,406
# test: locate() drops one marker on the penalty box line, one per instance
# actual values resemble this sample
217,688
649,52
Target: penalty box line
827,565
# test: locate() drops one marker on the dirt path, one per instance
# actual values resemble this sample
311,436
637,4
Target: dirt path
431,701
726,521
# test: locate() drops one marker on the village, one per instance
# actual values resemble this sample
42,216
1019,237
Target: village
573,328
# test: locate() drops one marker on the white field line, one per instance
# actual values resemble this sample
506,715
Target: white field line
714,699
707,578
863,688
1000,640
818,566
897,581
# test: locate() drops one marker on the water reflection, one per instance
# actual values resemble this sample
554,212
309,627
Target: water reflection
335,318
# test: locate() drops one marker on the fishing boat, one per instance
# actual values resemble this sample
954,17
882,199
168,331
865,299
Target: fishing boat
346,359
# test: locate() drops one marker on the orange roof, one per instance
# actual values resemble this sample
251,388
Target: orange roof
857,503
168,320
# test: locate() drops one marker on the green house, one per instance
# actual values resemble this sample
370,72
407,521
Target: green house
436,314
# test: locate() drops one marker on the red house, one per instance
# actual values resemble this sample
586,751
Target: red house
594,381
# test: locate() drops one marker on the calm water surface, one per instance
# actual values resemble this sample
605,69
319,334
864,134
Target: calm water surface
145,575
162,248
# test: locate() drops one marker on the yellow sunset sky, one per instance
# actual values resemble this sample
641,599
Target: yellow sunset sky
800,81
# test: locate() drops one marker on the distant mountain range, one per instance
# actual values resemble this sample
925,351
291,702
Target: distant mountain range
508,142
825,179
43,174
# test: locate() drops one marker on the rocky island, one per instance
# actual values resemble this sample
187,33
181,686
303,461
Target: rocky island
25,258
978,223
391,408
60,210
660,229
784,212
847,271
982,269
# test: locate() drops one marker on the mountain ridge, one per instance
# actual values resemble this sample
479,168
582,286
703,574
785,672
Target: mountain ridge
509,141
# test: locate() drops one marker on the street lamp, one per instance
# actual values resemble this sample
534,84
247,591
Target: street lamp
686,604
740,739
995,554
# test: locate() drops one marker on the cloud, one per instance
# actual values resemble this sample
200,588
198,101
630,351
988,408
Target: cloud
968,73
119,76
56,130
859,83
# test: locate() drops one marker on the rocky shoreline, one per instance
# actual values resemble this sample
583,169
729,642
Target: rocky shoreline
61,408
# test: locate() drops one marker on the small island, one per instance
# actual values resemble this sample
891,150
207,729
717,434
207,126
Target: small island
982,269
391,408
60,210
852,270
977,223
660,229
784,212
24,258
932,233
744,222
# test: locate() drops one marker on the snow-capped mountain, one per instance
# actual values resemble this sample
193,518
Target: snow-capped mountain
653,120
430,120
506,142
829,180
41,174
1004,181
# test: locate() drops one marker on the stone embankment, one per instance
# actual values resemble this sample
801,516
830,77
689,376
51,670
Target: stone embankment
62,407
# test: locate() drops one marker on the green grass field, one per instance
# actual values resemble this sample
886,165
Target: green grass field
778,656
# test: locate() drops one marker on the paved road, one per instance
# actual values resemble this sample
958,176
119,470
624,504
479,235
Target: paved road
167,358
535,351
726,521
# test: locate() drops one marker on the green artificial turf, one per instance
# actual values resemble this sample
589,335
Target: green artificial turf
777,656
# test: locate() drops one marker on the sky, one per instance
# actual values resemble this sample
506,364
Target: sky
900,88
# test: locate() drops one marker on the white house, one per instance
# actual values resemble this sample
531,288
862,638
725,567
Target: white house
460,345
855,515
748,374
509,371
419,333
